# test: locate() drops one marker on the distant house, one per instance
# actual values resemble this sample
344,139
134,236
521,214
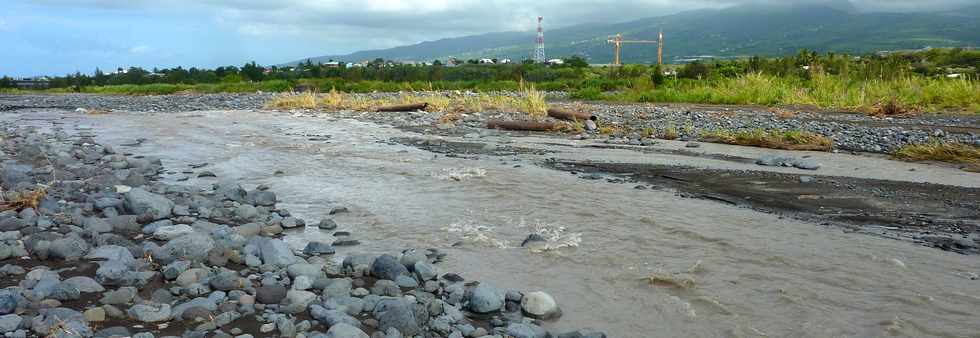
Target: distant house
556,62
505,61
332,64
486,62
39,82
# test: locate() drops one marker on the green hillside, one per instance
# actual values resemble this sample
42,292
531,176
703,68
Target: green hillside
738,31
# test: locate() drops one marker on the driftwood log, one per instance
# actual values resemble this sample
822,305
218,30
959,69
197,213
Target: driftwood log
523,125
562,114
404,107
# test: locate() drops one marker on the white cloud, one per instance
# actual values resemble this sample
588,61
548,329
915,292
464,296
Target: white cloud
141,49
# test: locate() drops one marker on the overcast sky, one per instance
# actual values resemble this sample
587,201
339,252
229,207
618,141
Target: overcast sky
62,36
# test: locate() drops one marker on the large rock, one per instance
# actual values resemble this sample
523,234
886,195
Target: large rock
521,330
227,281
112,253
191,276
339,287
97,225
150,313
193,247
10,323
262,198
114,273
65,292
180,311
318,248
168,232
540,305
276,252
387,267
68,248
8,303
270,294
332,317
395,313
140,202
485,298
300,298
85,284
123,295
425,271
345,331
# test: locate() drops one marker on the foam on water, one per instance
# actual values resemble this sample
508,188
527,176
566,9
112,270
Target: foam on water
556,236
460,174
472,233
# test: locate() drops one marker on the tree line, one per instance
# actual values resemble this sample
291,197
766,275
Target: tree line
934,62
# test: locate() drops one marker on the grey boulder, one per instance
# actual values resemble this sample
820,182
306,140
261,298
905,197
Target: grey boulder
140,202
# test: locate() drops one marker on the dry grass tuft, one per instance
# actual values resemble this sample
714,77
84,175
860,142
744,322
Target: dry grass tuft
670,133
22,200
528,100
533,101
305,100
952,152
789,140
891,108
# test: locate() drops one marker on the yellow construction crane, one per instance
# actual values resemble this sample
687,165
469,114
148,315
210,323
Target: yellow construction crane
618,41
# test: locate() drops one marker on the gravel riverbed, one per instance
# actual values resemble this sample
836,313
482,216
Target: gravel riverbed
636,124
93,245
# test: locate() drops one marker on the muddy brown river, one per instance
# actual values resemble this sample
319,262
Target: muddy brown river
720,270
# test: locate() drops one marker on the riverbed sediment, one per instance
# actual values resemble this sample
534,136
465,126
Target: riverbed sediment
618,216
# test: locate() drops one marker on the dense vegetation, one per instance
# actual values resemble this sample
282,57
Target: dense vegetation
936,79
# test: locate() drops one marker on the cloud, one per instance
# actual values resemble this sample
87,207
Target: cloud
141,49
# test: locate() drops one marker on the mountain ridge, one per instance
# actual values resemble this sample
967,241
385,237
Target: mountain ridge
730,32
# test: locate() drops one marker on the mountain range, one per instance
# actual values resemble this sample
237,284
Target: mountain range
770,30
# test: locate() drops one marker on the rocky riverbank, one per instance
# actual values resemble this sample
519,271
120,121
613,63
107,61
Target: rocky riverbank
634,124
93,245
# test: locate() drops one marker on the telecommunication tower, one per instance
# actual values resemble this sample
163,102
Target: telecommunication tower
539,49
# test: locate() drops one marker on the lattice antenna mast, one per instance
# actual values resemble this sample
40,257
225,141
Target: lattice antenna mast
539,49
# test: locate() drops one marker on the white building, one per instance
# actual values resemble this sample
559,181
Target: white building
486,62
556,62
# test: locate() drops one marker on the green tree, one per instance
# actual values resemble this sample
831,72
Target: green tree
7,82
576,62
252,71
694,70
658,75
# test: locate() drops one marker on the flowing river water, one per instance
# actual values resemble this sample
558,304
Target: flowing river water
722,271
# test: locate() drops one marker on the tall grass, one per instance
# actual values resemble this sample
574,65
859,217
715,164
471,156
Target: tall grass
822,90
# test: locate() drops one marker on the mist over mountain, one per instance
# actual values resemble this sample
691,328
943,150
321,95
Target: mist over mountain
755,28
